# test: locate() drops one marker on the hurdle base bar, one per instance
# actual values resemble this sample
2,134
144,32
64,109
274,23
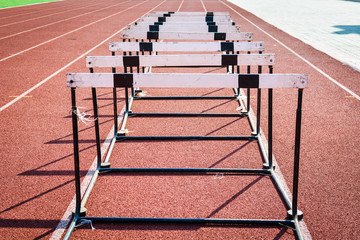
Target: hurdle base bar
185,138
186,98
187,115
210,221
186,170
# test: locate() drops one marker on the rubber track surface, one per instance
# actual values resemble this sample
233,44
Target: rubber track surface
36,142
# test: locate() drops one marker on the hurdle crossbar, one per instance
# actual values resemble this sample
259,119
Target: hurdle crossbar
188,60
182,18
186,46
192,80
179,27
235,36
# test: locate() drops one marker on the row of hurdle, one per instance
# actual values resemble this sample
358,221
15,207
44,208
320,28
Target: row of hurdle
198,39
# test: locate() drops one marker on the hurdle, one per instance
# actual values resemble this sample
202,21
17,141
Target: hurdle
126,80
183,18
164,14
231,80
188,27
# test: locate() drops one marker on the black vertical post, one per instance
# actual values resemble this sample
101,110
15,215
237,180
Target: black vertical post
258,111
96,119
115,104
270,123
76,152
126,92
238,71
131,71
297,155
248,90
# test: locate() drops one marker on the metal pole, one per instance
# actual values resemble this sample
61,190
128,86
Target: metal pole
258,111
76,153
297,156
270,123
96,119
115,104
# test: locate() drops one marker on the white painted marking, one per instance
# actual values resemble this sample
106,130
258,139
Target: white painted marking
202,3
67,65
65,220
62,35
180,5
64,20
298,55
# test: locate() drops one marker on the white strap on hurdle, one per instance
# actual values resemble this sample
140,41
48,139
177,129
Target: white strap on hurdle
199,27
179,18
158,13
186,46
236,36
193,60
187,80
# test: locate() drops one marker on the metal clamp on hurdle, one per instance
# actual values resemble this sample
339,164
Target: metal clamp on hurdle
185,80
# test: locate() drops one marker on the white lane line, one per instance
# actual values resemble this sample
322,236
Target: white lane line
67,217
31,19
203,5
64,20
50,40
298,55
178,10
61,69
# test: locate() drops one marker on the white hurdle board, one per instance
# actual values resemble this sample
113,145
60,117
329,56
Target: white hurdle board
157,13
185,80
235,36
198,60
185,23
186,46
179,27
180,18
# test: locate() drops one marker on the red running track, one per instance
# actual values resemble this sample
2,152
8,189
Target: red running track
36,142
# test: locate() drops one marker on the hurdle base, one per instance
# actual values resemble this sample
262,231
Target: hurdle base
105,165
266,166
83,212
300,214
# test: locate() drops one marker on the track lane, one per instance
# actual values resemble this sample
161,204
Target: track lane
10,23
325,104
15,15
49,155
17,32
25,60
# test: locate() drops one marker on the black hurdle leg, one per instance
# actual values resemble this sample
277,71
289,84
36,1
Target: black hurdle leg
258,110
96,119
270,123
295,214
76,153
115,104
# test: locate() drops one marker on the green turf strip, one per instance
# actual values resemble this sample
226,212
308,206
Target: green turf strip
14,3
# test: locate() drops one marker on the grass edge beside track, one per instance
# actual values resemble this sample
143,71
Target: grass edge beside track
19,3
